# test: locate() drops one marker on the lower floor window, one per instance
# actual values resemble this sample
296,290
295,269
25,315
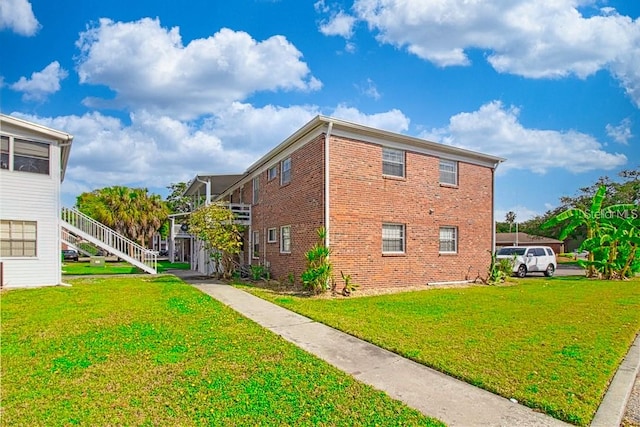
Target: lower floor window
18,238
256,244
448,239
285,239
272,235
393,238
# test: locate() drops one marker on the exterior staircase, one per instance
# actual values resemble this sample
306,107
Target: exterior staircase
77,225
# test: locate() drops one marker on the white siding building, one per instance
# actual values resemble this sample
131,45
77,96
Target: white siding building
33,159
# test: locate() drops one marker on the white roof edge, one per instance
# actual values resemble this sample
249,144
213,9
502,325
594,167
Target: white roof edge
36,127
322,120
44,130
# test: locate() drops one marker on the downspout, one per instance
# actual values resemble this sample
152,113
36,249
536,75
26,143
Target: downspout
493,208
67,142
326,184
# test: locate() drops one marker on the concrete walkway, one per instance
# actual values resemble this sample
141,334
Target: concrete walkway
434,394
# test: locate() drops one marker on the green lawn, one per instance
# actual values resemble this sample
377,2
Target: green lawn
84,268
155,351
552,344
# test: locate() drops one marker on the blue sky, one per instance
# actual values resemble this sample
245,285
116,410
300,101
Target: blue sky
156,91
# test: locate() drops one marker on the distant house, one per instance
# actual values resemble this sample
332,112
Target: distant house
33,159
524,239
398,210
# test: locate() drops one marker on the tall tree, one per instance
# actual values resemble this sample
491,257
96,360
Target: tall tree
132,212
510,218
176,201
216,226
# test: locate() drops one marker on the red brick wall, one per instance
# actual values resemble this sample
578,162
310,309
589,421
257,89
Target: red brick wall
298,204
361,199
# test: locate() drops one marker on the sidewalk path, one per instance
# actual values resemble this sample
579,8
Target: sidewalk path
434,394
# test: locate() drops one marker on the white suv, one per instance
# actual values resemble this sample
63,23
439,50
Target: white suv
528,259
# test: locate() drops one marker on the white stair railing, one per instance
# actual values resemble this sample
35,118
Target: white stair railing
73,241
80,224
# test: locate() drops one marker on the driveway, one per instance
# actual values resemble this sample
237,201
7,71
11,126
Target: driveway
569,270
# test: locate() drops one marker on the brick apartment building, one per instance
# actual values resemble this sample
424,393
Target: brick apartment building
399,211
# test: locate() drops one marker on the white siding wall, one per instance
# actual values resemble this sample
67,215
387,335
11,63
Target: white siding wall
34,197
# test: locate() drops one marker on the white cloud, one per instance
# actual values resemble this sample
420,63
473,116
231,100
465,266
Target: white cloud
369,89
154,151
147,66
339,24
42,83
392,120
531,38
621,133
17,16
494,129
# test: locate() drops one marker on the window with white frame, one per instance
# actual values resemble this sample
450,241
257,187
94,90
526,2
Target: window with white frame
272,235
4,152
285,239
18,238
273,172
256,244
30,156
285,171
256,189
448,240
448,172
393,238
392,162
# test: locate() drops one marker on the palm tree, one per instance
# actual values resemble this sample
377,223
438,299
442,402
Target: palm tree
510,218
131,212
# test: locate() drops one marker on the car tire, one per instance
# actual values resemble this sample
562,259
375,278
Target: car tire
522,271
550,270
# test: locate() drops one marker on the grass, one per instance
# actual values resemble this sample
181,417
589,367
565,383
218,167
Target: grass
83,268
155,351
552,344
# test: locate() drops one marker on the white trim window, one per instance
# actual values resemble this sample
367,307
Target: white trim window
392,162
255,239
4,152
272,235
448,172
448,240
285,171
272,173
256,189
285,239
18,238
27,156
393,238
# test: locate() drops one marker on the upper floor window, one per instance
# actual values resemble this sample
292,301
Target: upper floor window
4,152
448,240
393,238
448,172
29,156
273,172
392,162
285,171
18,238
256,189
